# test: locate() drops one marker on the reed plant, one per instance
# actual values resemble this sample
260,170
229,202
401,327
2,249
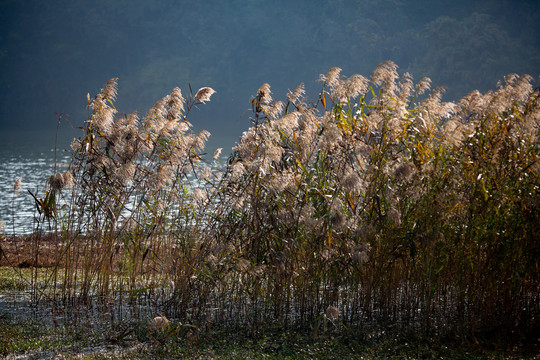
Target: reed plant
375,203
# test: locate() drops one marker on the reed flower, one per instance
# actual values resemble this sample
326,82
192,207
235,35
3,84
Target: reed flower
385,74
199,196
237,170
75,145
351,181
176,102
263,94
423,85
104,119
337,217
205,173
296,96
351,88
332,78
126,172
454,131
159,323
217,153
406,86
331,136
17,184
289,122
403,171
360,253
203,95
273,110
331,313
109,91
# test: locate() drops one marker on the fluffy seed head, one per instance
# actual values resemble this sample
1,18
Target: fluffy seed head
60,181
203,95
159,323
332,78
17,184
423,85
386,74
263,94
109,92
332,312
296,95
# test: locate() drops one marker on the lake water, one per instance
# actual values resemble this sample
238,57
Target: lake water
29,156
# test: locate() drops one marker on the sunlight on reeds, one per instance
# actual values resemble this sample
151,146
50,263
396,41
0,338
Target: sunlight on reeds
379,199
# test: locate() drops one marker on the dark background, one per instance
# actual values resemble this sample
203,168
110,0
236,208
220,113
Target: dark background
53,52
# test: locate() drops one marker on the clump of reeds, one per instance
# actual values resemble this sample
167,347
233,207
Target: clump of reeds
387,200
379,200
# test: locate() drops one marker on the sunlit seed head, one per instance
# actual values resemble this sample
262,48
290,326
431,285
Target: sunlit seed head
237,170
296,96
161,177
331,136
199,141
17,184
245,146
263,94
272,152
282,181
423,85
351,88
126,172
176,103
274,110
454,131
199,196
204,94
68,180
385,74
332,77
205,173
109,92
217,153
406,86
433,108
288,122
156,116
104,119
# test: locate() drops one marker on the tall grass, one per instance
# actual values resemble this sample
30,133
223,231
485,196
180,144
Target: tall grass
377,203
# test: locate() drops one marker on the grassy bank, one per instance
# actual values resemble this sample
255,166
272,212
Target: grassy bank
134,340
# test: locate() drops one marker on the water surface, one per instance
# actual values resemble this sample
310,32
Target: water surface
31,157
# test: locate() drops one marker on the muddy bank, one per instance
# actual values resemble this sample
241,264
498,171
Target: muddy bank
30,250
